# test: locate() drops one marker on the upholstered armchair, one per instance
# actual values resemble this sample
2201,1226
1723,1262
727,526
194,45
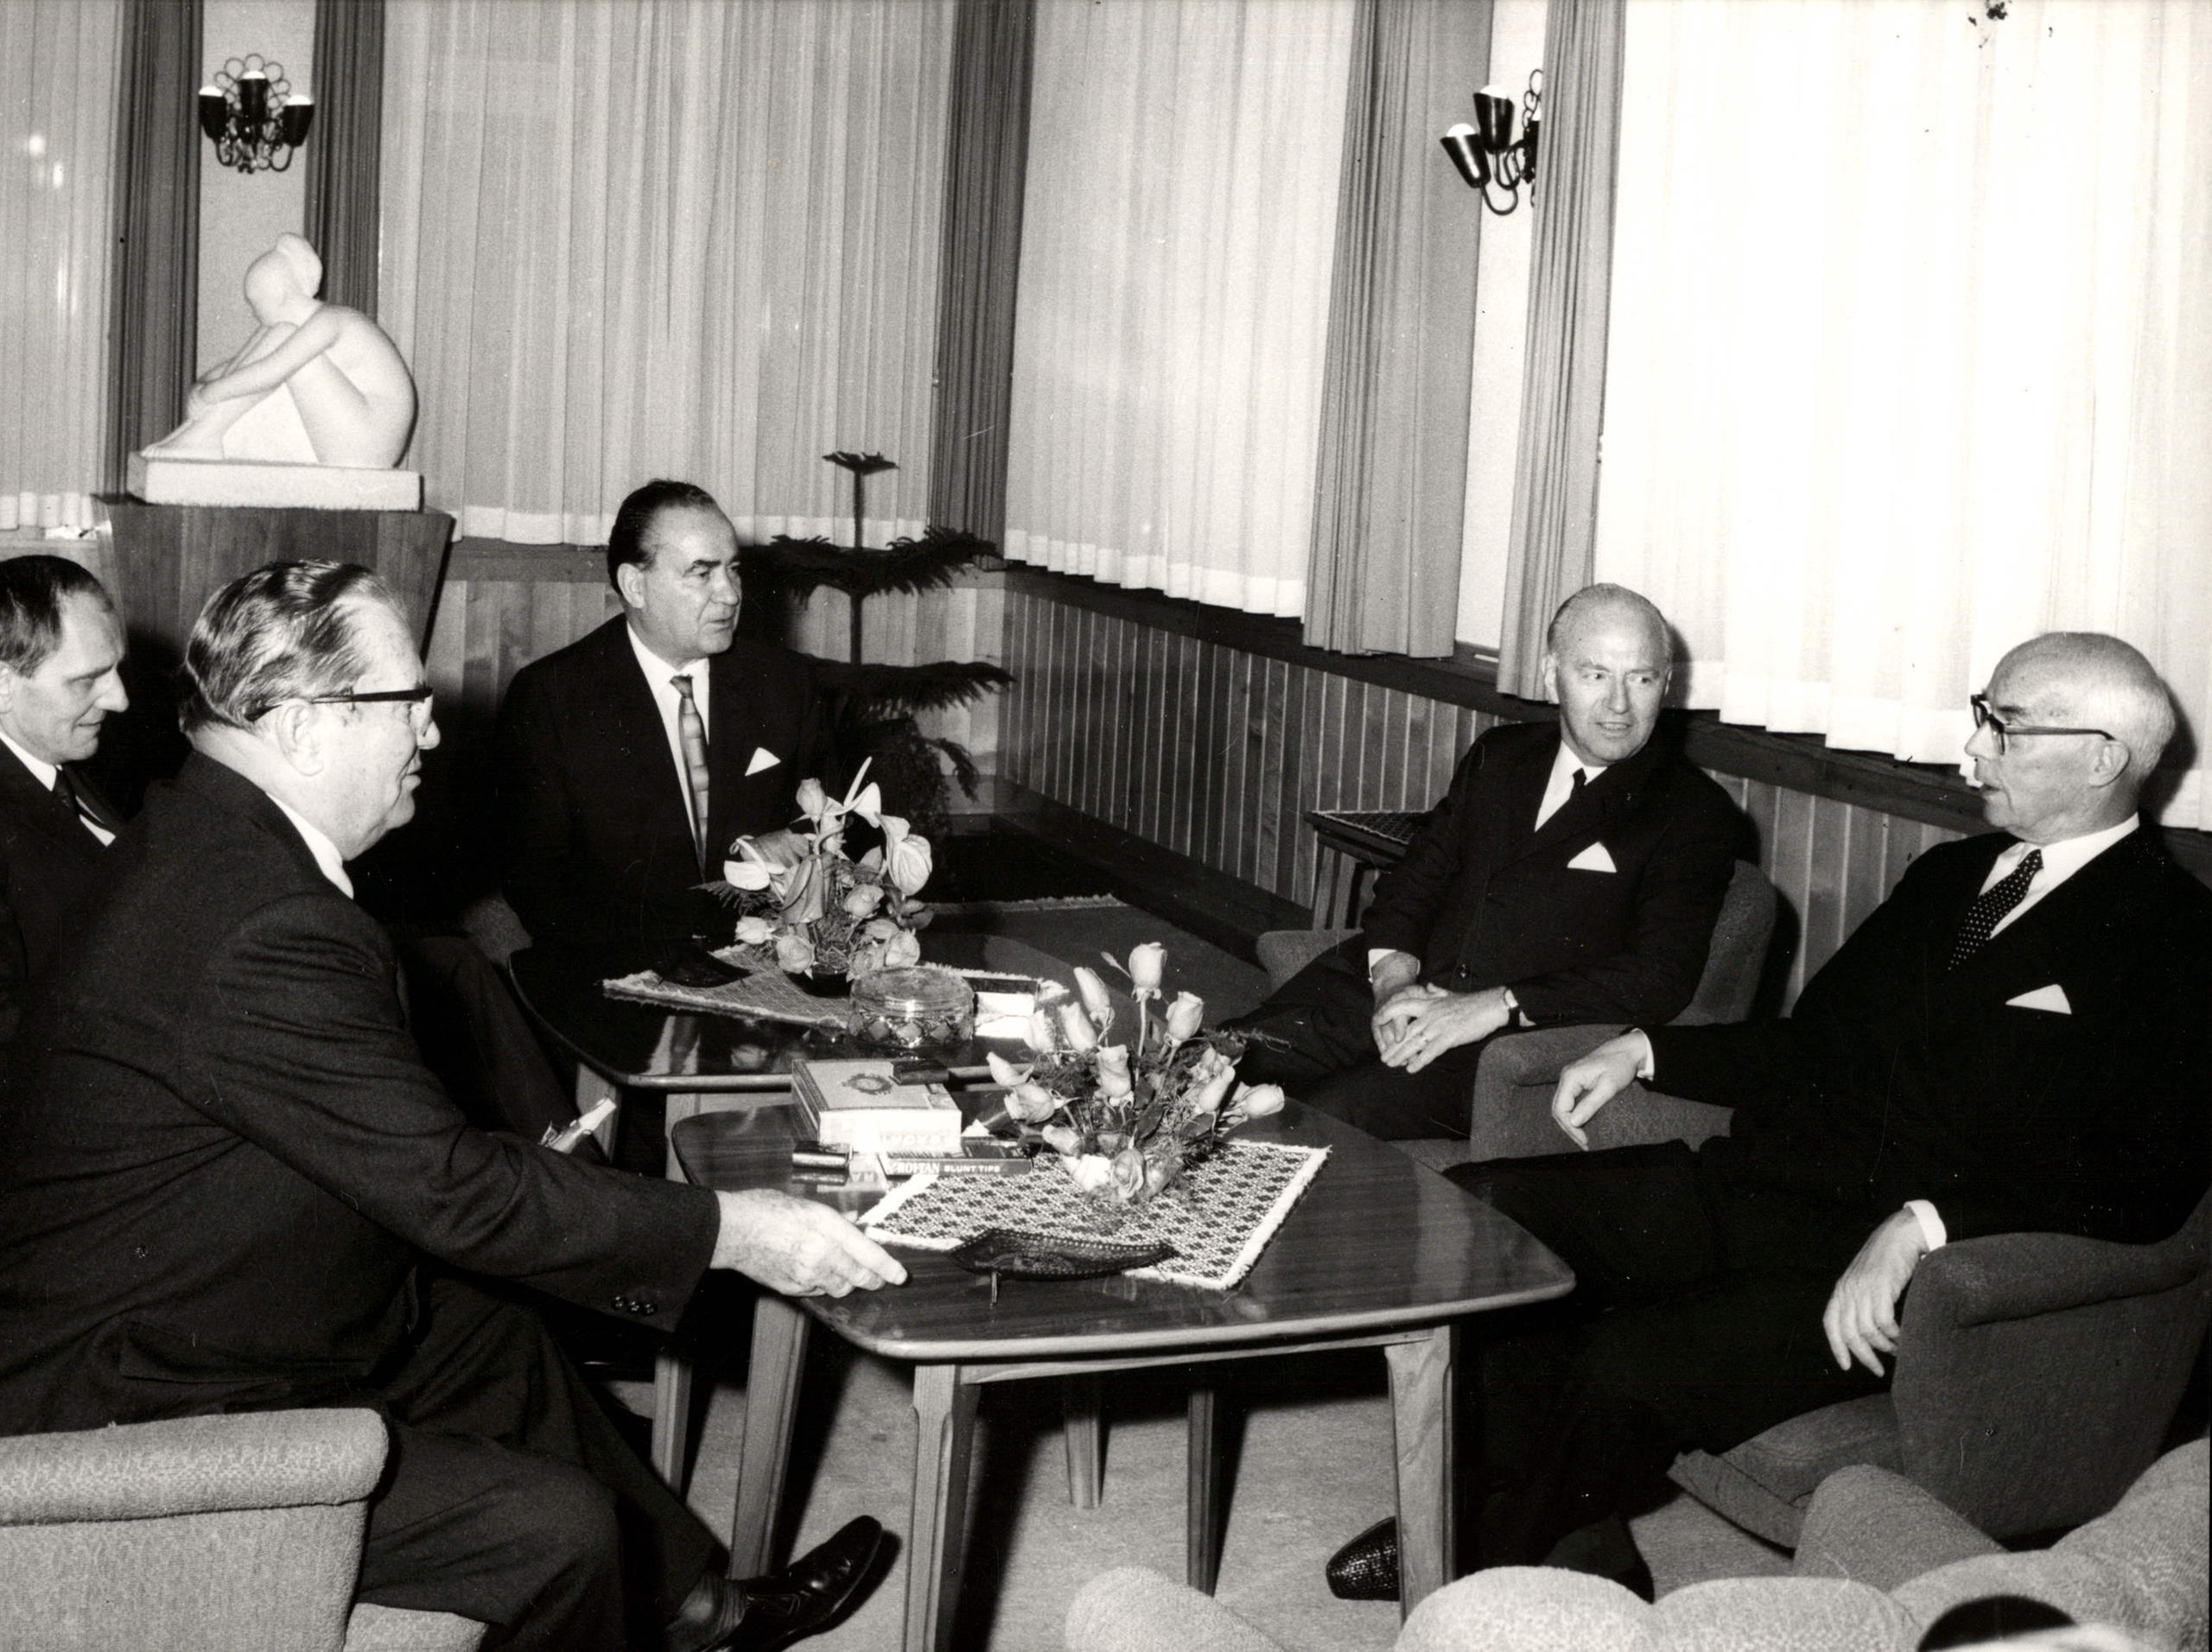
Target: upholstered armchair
238,1531
1881,1561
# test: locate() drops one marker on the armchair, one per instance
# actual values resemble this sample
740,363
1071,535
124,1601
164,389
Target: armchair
241,1532
1883,1560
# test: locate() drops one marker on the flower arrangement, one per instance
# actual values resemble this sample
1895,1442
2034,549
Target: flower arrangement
826,915
1127,1119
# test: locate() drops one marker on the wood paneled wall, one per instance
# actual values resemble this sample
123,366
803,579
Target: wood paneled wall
1218,752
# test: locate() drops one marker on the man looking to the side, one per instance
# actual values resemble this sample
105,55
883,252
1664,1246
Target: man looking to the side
1572,873
2016,1040
629,761
231,1183
60,675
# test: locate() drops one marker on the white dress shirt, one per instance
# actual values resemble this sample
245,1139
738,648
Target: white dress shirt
43,773
660,677
319,845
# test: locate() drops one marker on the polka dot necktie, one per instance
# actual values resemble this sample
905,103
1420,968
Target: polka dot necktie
1991,906
691,731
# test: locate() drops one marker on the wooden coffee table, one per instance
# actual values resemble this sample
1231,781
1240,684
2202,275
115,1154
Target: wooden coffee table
1380,1252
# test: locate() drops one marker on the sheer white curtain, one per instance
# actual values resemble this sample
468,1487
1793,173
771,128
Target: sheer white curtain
1177,240
59,64
1911,352
627,239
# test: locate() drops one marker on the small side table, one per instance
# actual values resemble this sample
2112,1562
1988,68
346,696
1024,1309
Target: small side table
1354,844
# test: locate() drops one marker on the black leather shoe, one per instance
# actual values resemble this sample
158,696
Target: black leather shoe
1366,1568
767,1613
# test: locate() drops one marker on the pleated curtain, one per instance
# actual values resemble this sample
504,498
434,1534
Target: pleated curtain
650,238
344,149
60,60
1911,353
1572,268
1172,316
1391,493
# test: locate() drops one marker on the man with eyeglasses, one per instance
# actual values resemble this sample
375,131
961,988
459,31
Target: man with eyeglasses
2015,1040
61,677
230,1183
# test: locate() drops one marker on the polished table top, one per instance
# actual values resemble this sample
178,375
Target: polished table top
643,1046
1377,1243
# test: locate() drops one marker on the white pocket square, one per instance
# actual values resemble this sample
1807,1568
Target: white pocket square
1593,859
2051,998
762,758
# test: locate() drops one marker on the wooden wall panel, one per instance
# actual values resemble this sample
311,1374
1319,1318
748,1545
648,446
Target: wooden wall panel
1219,754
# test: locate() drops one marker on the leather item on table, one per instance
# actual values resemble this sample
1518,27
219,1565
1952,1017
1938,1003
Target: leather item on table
767,1613
1366,1568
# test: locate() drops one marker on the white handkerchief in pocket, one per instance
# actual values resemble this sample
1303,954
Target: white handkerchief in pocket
2051,998
762,758
1593,859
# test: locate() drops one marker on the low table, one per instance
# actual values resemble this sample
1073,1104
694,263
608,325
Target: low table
622,1046
1379,1253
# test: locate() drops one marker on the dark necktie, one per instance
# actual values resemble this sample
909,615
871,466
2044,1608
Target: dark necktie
75,801
1991,906
692,732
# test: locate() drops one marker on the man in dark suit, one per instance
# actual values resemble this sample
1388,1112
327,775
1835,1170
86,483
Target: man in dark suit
1572,873
231,1184
2015,1040
629,761
60,659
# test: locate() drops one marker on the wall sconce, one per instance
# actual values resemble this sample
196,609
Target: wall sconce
1487,153
251,113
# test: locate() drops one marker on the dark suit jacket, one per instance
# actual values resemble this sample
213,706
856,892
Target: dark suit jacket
1484,899
224,1159
1894,1078
595,827
46,857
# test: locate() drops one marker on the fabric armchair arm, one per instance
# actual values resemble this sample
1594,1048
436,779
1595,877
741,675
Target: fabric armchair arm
277,1459
2018,1275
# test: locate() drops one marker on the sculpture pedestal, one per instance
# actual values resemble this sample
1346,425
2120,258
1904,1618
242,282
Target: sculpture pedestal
171,558
161,480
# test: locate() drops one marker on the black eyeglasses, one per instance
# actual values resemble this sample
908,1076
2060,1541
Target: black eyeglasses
416,699
1984,717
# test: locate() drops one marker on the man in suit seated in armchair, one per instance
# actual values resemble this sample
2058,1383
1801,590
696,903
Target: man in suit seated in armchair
231,1184
60,675
629,761
2016,1040
1572,873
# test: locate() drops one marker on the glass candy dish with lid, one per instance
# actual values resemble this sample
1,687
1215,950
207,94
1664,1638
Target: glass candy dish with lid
911,1007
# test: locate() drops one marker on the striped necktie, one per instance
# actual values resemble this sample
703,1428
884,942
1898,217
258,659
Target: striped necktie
64,788
1991,906
691,731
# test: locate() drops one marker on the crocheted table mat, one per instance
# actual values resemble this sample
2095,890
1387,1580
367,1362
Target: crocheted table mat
767,994
1219,1217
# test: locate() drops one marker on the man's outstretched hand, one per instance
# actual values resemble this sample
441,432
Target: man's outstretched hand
799,1248
1586,1085
1861,1318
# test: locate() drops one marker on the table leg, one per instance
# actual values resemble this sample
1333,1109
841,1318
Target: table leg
1421,1404
671,1418
1081,1399
771,1403
1202,1501
944,1414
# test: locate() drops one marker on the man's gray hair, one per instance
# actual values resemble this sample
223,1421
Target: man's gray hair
286,631
1591,599
2108,684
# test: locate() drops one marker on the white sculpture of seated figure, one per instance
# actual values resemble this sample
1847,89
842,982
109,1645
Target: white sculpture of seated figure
317,383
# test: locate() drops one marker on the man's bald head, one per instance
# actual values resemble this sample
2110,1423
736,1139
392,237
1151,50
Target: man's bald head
1607,605
2084,679
1607,657
2087,720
